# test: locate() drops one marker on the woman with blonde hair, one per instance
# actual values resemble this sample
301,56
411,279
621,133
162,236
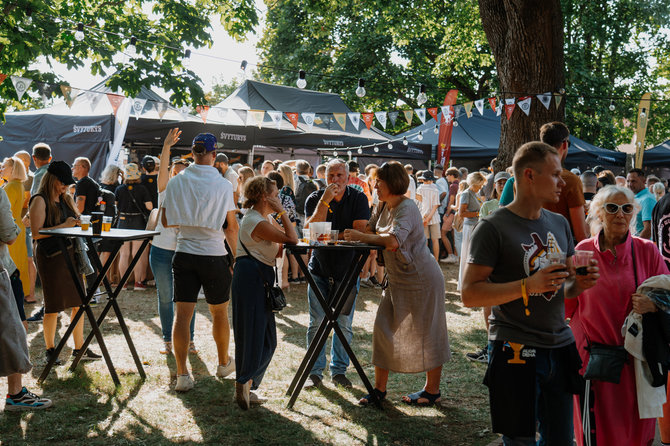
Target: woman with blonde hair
468,207
110,176
287,197
14,172
245,174
53,208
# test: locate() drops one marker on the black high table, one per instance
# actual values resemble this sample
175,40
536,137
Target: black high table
332,311
115,235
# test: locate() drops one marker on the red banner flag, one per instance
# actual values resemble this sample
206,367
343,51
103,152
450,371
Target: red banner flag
203,110
492,103
367,119
510,103
293,117
2,78
446,127
433,112
115,100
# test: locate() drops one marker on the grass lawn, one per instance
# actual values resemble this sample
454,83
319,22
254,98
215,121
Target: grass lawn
89,408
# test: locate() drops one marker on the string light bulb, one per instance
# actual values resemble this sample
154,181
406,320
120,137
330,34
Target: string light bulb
421,98
132,49
349,153
561,90
390,146
643,113
420,136
335,154
79,34
360,91
436,130
404,140
243,66
186,60
376,149
455,123
359,151
301,82
612,107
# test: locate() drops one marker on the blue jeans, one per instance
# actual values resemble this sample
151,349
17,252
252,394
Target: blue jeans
553,405
339,360
161,265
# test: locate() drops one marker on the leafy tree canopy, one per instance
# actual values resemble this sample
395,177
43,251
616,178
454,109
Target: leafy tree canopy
31,29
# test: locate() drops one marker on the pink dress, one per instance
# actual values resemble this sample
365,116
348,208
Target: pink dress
599,313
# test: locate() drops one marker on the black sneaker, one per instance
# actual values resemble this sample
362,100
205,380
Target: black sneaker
375,282
50,353
292,280
479,356
341,380
87,356
313,382
37,317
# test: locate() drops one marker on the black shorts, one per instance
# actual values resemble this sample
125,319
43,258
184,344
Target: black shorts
190,272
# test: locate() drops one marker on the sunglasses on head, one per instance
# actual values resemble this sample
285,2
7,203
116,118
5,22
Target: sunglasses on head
613,208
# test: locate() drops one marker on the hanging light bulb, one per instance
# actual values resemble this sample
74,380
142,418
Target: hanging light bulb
420,136
360,91
186,60
29,16
643,113
421,98
437,129
335,154
349,153
612,107
455,123
390,146
404,140
301,82
376,149
561,90
79,34
359,151
131,50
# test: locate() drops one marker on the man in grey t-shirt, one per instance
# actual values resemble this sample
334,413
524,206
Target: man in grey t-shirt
511,268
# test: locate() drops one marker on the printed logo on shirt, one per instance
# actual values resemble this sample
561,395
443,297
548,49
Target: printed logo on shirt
664,237
516,349
535,257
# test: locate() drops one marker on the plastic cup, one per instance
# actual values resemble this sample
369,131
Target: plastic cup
85,222
334,236
305,236
557,257
106,224
582,261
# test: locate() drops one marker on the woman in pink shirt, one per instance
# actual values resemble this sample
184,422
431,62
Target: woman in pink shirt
598,314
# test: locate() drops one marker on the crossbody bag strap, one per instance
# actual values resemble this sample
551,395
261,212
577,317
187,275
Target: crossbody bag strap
257,262
136,204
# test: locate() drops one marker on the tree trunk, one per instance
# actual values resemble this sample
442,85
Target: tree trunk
526,39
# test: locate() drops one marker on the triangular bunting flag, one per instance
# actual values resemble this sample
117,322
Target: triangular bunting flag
341,119
545,99
492,103
468,108
409,114
479,103
355,119
275,115
184,111
67,94
367,119
558,97
524,104
421,113
2,78
21,84
46,90
509,107
457,110
138,107
381,118
432,111
73,95
93,99
203,111
293,118
499,109
115,100
242,114
161,109
447,113
393,116
257,116
309,120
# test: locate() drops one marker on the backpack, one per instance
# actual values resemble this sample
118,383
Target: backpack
304,189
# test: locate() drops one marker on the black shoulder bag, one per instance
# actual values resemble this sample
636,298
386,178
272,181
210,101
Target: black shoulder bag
274,294
606,361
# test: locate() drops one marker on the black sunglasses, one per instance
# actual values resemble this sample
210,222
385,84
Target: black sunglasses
568,141
613,208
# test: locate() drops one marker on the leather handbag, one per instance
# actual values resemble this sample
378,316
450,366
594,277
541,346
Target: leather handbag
274,294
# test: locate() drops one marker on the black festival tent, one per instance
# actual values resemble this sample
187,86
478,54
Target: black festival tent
657,156
477,138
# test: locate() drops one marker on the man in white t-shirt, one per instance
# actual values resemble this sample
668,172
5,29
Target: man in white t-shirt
428,196
411,189
200,202
222,165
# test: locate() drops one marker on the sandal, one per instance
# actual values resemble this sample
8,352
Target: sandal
367,399
192,348
29,302
167,348
433,398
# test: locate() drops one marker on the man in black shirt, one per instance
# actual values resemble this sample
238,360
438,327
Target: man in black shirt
149,177
86,190
345,208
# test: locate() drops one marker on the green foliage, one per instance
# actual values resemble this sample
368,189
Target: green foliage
175,24
221,90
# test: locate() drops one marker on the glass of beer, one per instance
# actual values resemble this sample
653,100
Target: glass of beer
582,261
305,236
557,257
85,222
106,223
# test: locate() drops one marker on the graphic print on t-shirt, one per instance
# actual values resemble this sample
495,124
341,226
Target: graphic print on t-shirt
535,257
664,237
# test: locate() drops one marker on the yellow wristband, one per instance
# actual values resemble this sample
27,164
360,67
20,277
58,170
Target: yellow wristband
524,295
326,205
280,214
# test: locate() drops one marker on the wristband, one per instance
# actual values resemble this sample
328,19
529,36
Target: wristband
524,295
278,217
327,205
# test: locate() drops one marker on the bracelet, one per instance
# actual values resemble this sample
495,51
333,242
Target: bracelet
524,295
327,205
279,215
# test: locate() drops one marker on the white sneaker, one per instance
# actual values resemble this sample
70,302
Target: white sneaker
450,259
224,370
201,294
184,383
256,399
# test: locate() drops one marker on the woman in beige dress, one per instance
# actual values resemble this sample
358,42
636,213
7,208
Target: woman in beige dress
410,331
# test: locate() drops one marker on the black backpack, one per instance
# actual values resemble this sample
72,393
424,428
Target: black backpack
304,189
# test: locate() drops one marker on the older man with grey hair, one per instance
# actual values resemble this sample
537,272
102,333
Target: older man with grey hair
346,208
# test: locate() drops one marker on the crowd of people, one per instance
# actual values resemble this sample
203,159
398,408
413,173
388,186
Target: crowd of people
514,235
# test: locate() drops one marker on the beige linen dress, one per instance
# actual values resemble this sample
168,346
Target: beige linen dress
410,332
